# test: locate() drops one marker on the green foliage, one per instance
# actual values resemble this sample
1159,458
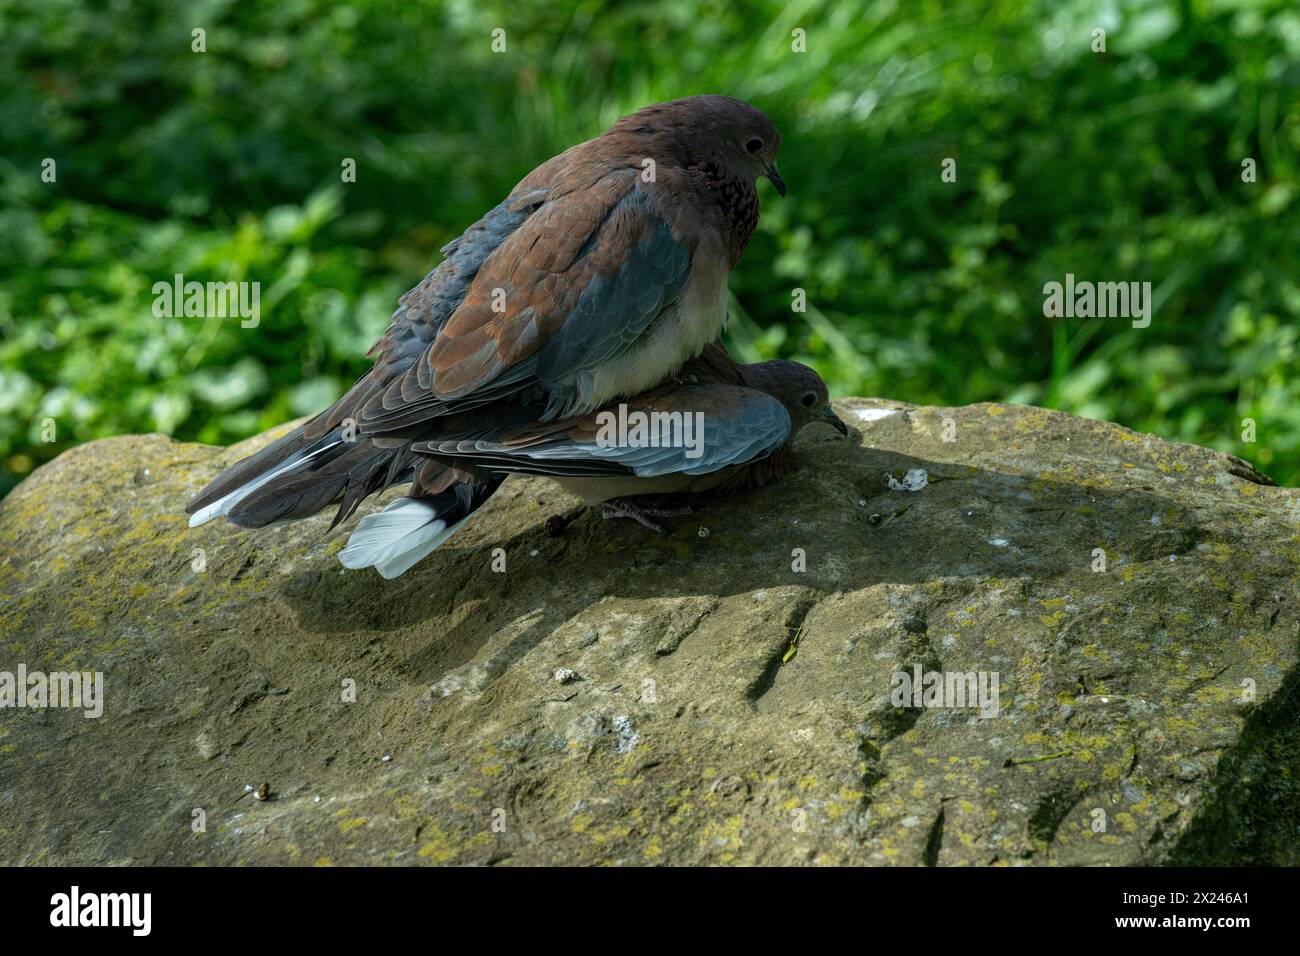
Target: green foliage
225,165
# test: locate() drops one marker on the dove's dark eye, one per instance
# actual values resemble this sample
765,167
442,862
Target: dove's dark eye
808,399
754,145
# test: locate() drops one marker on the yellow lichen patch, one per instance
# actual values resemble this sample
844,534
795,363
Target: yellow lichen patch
438,847
724,833
612,834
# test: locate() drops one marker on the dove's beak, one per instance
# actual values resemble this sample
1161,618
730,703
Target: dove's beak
769,170
830,418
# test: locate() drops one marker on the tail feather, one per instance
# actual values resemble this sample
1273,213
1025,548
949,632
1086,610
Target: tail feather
313,467
402,467
292,483
294,449
347,473
248,469
409,529
236,484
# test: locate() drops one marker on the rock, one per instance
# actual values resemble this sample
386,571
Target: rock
731,709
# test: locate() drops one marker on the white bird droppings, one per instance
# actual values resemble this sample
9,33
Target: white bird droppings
914,480
874,414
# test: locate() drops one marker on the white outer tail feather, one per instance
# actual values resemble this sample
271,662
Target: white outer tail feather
393,540
224,505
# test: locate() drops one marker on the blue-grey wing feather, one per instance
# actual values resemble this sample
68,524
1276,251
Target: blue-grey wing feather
759,427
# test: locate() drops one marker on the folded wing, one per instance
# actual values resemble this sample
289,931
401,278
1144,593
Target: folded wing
690,429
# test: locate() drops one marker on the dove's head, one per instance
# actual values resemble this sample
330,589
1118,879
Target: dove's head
797,387
720,130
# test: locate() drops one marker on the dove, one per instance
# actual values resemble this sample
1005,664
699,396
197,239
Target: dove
718,426
598,277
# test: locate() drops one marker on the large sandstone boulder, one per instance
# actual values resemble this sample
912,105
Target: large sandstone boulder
724,706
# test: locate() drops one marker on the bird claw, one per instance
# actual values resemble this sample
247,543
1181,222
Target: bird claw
641,514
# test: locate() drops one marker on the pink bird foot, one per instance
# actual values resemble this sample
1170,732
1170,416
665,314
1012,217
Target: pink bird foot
640,513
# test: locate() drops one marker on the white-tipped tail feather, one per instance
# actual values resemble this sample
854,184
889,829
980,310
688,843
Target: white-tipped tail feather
223,506
394,539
